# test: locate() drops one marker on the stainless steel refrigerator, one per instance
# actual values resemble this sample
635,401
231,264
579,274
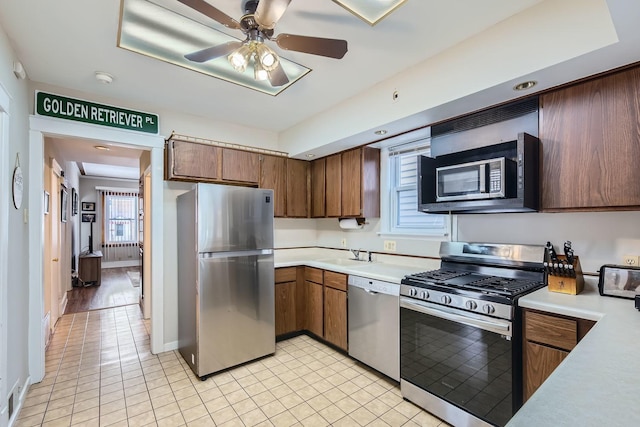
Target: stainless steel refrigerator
225,276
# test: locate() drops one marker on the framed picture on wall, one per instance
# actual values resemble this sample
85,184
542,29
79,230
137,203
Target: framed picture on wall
88,217
64,204
88,206
74,202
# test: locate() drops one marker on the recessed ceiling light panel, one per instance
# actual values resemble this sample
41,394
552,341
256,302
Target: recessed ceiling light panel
101,148
151,29
380,132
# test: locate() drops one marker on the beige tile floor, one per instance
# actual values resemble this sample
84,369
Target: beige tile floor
100,372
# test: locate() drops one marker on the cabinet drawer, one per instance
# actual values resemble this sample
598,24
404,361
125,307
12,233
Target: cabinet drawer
286,274
335,280
551,330
313,275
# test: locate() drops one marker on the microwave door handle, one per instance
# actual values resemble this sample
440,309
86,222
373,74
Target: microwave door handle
483,188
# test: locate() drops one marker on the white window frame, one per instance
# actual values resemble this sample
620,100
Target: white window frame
390,200
134,220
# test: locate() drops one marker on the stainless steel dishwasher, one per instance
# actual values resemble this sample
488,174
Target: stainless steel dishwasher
374,324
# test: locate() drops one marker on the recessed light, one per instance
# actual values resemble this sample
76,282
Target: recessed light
101,147
380,132
104,78
525,85
310,156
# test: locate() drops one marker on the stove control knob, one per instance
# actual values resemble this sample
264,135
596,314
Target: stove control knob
471,305
446,299
488,308
424,295
413,292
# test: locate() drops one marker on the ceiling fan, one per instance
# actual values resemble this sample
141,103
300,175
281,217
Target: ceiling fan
258,23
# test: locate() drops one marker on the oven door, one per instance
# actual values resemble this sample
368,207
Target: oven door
463,359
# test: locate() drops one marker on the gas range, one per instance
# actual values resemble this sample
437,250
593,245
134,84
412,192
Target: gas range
482,278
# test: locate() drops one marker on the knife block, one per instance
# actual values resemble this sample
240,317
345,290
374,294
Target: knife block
564,284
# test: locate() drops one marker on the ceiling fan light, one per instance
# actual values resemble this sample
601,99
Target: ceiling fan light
267,58
239,58
259,72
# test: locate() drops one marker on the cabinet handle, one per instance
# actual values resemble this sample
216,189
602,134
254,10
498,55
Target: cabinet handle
55,260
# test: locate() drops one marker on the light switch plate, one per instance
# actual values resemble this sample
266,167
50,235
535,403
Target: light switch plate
390,245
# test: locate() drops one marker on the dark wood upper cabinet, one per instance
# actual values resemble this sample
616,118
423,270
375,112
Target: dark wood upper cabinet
191,161
318,188
590,135
333,186
273,175
361,183
297,188
240,166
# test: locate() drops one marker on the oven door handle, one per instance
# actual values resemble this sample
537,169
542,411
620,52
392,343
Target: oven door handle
491,326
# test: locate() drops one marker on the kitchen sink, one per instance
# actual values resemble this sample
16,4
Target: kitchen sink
342,261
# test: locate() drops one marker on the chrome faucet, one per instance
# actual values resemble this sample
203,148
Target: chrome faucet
356,253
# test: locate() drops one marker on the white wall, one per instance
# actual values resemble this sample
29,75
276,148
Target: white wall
17,301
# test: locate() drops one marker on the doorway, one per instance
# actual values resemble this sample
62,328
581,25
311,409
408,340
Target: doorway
4,243
41,127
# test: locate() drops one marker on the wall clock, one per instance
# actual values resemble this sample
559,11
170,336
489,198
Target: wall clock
17,185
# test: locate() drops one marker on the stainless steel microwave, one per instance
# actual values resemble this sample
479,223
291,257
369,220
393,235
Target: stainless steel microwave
501,177
483,179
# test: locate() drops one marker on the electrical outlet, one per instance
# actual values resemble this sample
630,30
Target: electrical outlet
343,243
390,245
631,260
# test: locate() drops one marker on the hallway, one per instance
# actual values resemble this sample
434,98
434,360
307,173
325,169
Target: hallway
117,289
100,372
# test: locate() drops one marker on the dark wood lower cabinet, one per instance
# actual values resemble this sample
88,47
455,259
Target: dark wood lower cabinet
314,308
285,298
541,362
314,300
547,340
335,317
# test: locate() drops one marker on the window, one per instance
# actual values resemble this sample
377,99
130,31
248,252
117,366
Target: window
404,217
121,219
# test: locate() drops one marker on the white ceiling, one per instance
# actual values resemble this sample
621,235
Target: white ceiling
63,43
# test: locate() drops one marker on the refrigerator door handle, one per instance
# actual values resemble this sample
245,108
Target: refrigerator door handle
236,253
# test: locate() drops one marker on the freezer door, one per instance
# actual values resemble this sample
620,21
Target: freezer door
233,218
236,309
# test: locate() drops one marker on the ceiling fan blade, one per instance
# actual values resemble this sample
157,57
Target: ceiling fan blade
269,12
209,53
278,77
332,48
207,10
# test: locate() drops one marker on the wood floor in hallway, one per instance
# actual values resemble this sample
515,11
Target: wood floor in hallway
116,290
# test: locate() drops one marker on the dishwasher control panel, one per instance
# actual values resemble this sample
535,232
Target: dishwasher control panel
373,285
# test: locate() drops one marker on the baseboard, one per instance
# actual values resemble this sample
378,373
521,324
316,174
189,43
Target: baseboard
170,346
46,329
126,263
63,304
21,393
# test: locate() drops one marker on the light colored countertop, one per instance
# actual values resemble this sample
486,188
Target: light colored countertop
598,384
386,268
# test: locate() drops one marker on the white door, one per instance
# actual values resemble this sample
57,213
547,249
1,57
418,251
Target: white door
55,250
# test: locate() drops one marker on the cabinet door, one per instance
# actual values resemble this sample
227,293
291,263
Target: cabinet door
352,183
313,308
297,188
590,133
285,296
335,317
192,161
240,166
333,185
318,188
540,362
273,175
